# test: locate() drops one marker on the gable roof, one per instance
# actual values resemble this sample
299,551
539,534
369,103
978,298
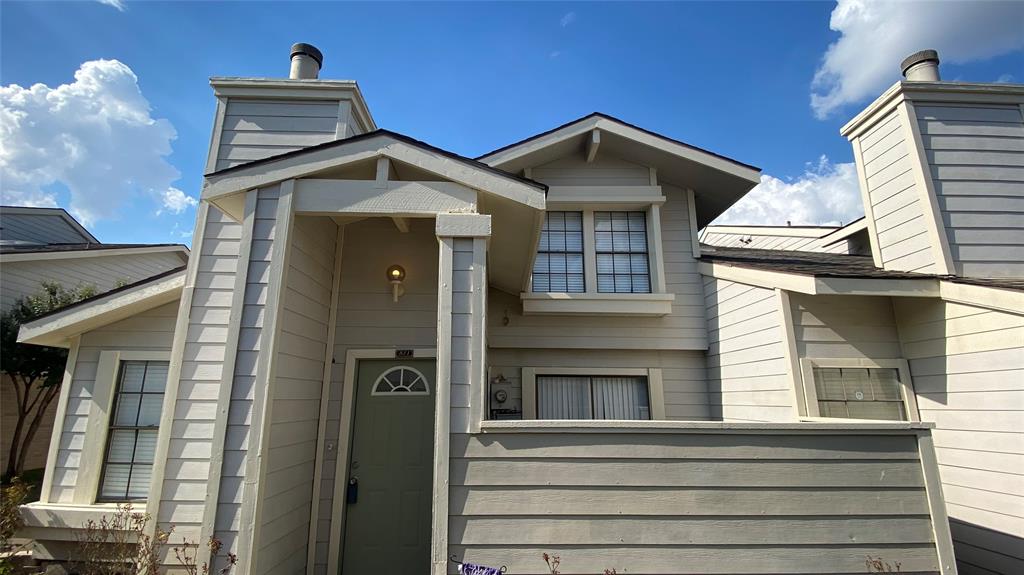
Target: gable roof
398,147
717,181
15,232
32,252
56,327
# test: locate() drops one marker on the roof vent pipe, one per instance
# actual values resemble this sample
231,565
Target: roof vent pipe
306,62
921,66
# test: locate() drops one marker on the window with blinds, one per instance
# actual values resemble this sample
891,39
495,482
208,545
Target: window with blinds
620,242
592,397
859,393
559,263
131,442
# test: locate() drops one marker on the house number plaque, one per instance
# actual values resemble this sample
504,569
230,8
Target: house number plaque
400,353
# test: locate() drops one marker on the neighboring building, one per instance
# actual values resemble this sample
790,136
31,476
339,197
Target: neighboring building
849,239
48,245
384,355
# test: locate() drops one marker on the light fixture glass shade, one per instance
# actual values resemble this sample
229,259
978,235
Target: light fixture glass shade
396,273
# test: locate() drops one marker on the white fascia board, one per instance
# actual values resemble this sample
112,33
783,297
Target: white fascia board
845,232
296,166
1010,301
761,278
92,253
811,285
642,137
813,232
56,329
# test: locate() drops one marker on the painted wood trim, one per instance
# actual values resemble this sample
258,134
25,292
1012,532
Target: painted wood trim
462,226
227,380
656,393
58,422
786,281
792,357
442,421
478,374
593,144
528,381
807,365
865,196
589,255
1009,301
338,502
926,188
266,371
655,385
597,304
325,396
538,223
655,249
156,486
831,427
344,126
653,175
181,250
88,480
936,503
691,206
215,136
367,198
383,172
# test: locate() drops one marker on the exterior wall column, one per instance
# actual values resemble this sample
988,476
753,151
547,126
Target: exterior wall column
461,345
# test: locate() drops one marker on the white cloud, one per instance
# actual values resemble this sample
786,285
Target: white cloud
878,34
554,54
176,201
119,4
1004,79
825,194
95,136
567,19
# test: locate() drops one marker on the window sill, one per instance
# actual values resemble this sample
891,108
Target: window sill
622,304
70,515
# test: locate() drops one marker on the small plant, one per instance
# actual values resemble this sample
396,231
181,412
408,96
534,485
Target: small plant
12,496
878,565
119,545
552,561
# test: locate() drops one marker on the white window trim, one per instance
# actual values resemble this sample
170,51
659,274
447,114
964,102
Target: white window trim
655,387
807,365
97,427
592,302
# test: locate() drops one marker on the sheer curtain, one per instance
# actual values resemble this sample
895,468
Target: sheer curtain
584,397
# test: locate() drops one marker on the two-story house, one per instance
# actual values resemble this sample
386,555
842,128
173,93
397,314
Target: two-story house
387,357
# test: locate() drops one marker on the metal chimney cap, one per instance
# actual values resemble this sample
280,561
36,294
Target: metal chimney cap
308,50
917,58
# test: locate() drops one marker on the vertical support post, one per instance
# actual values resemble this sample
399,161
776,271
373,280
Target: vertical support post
461,354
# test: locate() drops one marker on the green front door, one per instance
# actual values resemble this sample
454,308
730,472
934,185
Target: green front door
387,523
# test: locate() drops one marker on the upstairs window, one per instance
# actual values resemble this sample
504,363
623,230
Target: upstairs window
620,240
134,426
559,263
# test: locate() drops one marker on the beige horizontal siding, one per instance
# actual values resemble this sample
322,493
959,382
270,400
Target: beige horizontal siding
844,327
967,365
689,503
295,397
976,157
256,129
747,371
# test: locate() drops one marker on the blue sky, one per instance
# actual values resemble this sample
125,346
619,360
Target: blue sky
468,77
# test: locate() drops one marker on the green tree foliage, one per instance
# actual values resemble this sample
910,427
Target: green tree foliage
34,371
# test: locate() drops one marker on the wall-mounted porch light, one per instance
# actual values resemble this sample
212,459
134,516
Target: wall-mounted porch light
396,275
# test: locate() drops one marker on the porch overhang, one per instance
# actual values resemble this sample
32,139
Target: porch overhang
359,177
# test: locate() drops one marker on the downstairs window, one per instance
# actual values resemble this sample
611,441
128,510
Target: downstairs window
859,392
134,426
592,397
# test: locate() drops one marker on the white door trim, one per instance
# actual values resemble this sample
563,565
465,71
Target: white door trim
352,358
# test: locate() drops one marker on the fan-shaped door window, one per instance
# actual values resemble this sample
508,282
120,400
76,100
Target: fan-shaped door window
401,380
